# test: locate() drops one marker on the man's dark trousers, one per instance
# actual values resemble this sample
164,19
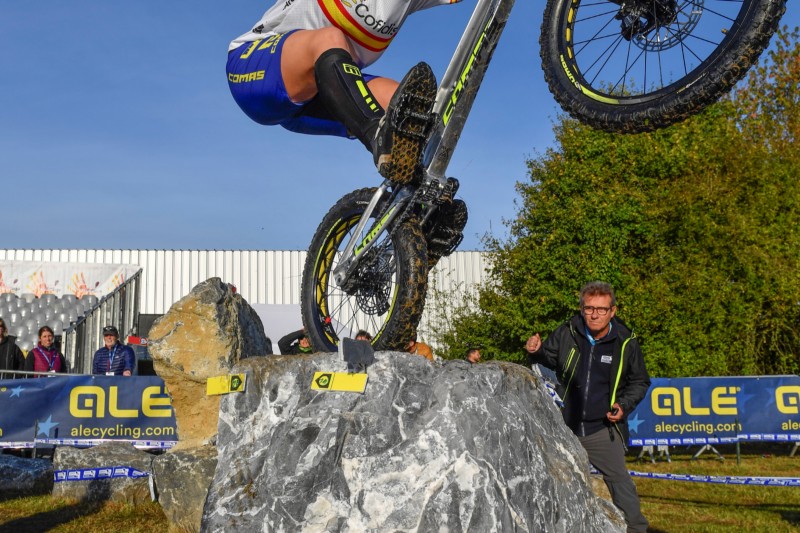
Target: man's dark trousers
607,454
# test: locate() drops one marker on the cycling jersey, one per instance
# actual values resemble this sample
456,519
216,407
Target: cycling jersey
370,25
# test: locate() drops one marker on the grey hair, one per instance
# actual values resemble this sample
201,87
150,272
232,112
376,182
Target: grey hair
597,288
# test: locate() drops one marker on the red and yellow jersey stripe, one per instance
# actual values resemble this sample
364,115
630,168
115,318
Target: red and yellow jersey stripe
338,15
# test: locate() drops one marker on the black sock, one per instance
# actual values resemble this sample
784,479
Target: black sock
346,95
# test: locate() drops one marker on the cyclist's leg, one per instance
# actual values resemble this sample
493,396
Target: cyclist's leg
302,50
257,84
316,119
320,62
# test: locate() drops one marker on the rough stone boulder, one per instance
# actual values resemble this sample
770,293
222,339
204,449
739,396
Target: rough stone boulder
181,480
202,336
24,477
134,491
455,447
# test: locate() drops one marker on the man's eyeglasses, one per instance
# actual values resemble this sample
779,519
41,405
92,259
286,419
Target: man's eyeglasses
590,310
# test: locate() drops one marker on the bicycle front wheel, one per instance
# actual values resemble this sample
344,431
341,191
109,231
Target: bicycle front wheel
385,296
637,65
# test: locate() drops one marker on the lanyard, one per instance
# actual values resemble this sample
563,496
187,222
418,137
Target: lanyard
50,363
111,356
592,340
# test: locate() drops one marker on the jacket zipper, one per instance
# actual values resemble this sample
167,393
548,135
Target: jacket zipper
586,391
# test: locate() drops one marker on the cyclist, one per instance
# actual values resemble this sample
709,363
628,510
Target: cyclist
300,67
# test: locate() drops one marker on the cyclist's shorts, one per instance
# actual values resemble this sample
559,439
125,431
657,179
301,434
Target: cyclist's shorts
254,77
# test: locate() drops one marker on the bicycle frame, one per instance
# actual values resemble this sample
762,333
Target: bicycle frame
455,97
461,82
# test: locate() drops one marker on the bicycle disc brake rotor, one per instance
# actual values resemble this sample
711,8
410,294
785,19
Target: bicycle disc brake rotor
657,25
372,283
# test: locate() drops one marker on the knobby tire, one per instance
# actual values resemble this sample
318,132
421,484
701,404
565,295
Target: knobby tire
594,72
393,283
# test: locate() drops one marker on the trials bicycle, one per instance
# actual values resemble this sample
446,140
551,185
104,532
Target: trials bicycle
617,65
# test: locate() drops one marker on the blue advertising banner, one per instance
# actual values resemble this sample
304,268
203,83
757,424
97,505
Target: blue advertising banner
683,411
86,410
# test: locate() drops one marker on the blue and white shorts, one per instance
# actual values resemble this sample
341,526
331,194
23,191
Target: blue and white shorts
256,83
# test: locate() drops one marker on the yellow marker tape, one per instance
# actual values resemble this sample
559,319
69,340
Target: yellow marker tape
339,382
225,384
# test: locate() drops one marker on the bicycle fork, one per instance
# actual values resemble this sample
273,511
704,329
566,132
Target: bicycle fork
360,243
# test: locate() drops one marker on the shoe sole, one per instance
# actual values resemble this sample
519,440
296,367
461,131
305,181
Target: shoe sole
410,119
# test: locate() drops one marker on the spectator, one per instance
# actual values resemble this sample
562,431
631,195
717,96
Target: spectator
419,348
11,357
45,357
295,343
113,358
473,355
363,335
601,384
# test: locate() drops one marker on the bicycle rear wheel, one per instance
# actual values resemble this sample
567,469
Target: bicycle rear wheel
385,296
639,65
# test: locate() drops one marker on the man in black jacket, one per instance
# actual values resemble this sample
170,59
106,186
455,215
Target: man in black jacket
603,378
11,357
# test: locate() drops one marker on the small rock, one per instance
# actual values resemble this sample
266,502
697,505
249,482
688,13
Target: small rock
24,477
134,491
203,335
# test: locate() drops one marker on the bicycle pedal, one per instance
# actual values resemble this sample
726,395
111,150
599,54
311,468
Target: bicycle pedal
445,246
449,191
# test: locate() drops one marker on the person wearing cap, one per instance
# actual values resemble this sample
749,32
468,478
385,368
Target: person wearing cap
295,343
113,358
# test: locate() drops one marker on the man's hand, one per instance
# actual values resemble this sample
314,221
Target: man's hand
126,373
534,343
616,414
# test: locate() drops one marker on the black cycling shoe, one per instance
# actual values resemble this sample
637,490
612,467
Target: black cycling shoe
403,131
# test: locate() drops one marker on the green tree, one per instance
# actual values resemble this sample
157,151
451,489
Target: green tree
697,226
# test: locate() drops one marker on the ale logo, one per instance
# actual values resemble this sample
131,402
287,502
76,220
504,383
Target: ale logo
670,401
236,383
787,399
324,381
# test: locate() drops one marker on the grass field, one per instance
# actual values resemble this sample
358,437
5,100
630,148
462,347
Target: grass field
683,506
36,514
671,506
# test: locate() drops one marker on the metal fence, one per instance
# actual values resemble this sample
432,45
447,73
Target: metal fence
23,374
119,308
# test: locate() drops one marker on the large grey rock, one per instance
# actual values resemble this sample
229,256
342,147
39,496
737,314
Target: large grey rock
202,336
456,447
181,479
24,477
121,489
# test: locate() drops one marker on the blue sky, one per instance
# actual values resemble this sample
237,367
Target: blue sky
117,129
